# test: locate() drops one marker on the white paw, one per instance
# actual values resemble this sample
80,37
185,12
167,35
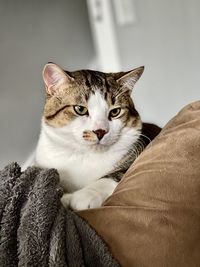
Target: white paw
65,199
85,198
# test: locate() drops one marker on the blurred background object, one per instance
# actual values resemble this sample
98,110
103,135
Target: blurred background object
99,34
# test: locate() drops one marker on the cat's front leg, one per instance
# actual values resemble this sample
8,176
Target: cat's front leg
91,196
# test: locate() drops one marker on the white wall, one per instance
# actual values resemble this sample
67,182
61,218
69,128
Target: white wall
166,39
31,34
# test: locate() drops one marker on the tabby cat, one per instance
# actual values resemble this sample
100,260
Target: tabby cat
91,132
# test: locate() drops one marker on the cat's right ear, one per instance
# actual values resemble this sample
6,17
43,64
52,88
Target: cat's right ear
54,77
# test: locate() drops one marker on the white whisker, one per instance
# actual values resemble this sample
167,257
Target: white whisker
146,137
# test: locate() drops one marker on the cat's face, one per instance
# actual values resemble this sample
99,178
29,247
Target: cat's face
92,109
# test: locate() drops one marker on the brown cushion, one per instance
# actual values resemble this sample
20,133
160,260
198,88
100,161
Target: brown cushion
153,217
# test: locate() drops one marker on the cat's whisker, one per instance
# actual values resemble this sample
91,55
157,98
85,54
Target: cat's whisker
135,150
146,137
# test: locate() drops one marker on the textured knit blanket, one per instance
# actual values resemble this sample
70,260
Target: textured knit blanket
36,230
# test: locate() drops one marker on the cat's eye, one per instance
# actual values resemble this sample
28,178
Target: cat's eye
114,112
81,110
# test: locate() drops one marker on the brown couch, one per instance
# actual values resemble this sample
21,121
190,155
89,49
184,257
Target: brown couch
153,217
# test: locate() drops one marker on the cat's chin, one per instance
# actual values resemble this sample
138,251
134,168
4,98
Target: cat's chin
99,146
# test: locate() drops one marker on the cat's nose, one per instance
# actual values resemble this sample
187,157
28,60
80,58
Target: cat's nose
100,133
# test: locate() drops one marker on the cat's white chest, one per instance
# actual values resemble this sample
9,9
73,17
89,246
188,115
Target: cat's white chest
81,170
77,170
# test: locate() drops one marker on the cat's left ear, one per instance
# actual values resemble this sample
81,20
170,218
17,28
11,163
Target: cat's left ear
129,78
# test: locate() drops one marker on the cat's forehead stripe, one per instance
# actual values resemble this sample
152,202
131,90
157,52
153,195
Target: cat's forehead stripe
107,85
86,76
95,80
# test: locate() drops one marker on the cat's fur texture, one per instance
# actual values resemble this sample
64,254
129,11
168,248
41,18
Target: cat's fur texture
91,132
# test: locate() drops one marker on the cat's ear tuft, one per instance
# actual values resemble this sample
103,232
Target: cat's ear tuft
54,77
129,78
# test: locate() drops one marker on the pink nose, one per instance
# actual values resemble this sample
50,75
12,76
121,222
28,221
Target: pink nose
100,133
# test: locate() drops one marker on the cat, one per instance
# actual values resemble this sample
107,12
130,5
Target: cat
90,132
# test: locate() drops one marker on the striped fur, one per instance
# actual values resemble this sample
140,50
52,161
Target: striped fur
90,166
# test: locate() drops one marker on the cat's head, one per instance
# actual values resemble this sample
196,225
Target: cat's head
90,108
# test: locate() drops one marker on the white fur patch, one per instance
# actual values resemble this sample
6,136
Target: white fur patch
98,110
81,163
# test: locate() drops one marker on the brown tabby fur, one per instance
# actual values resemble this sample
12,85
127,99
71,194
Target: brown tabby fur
59,110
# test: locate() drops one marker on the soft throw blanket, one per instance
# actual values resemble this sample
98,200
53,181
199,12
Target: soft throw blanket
35,229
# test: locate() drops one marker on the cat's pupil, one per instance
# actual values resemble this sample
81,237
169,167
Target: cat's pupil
81,109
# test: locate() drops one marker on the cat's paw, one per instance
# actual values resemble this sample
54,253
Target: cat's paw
65,199
85,198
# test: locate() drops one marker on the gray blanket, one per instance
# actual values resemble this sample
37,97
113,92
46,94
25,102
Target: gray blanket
35,229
